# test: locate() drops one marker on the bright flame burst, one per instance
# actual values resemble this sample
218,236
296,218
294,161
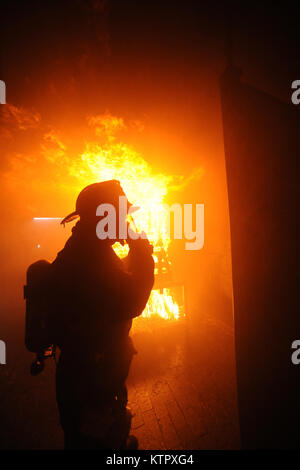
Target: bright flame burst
116,160
162,304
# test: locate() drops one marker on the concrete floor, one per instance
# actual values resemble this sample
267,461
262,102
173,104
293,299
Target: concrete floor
182,389
183,392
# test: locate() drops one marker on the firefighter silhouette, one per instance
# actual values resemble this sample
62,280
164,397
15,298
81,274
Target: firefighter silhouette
93,296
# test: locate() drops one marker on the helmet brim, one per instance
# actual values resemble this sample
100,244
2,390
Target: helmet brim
74,215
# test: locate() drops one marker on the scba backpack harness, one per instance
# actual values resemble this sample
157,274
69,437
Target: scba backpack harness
38,335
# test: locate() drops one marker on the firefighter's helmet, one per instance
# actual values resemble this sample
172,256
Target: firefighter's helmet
105,192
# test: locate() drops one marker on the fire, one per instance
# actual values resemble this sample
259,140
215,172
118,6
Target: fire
57,164
112,159
163,305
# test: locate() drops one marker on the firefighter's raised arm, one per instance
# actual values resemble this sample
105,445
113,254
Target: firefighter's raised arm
135,285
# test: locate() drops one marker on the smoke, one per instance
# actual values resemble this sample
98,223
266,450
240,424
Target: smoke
15,117
44,167
47,166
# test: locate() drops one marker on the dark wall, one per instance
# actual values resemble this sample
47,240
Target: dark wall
262,149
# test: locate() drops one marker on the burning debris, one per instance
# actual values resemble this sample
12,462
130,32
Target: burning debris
105,157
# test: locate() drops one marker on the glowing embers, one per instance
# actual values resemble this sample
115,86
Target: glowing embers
167,299
165,307
164,303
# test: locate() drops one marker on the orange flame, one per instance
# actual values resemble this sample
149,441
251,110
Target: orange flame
116,160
